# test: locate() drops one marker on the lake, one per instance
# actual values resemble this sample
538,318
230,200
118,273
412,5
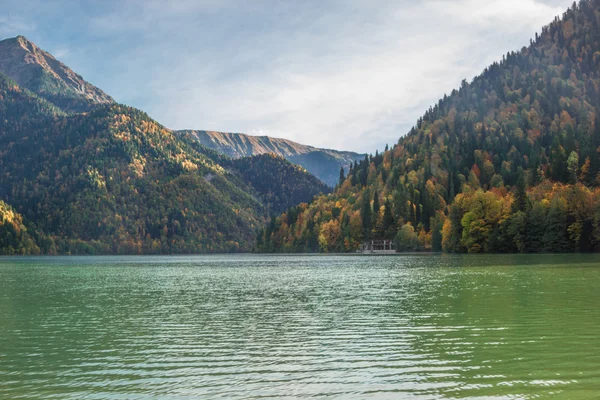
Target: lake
266,326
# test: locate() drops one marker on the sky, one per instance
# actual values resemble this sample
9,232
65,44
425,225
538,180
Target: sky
342,74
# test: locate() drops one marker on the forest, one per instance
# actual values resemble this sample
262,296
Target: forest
509,162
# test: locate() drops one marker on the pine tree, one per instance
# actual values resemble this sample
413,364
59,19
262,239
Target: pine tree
342,175
354,179
388,221
555,235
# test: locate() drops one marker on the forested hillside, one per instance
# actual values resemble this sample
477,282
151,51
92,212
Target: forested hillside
509,162
279,183
115,181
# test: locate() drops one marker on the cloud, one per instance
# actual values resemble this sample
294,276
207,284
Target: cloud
342,73
353,78
485,13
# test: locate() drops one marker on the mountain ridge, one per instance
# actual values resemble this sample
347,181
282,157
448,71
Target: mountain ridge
264,143
323,163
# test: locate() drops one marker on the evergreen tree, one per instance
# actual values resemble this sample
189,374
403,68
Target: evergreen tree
354,179
389,230
555,234
342,176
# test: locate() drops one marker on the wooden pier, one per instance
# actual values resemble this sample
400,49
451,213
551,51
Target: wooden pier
378,247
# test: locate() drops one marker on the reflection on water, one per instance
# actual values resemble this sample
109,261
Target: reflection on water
348,327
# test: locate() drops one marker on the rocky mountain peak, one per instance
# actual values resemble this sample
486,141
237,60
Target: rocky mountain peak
38,71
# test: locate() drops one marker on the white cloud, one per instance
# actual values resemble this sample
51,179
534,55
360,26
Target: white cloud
507,11
353,79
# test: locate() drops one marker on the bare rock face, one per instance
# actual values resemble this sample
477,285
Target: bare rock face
242,145
38,71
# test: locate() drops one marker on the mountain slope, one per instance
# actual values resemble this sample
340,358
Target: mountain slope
325,164
38,71
115,181
279,183
509,162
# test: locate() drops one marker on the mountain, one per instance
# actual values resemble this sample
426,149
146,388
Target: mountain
509,162
38,71
325,164
114,181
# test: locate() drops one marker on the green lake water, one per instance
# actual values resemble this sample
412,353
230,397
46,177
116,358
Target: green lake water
335,327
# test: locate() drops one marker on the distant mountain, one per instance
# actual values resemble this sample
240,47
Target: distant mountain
279,183
38,71
509,162
325,164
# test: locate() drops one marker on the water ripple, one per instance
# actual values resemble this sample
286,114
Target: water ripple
262,327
